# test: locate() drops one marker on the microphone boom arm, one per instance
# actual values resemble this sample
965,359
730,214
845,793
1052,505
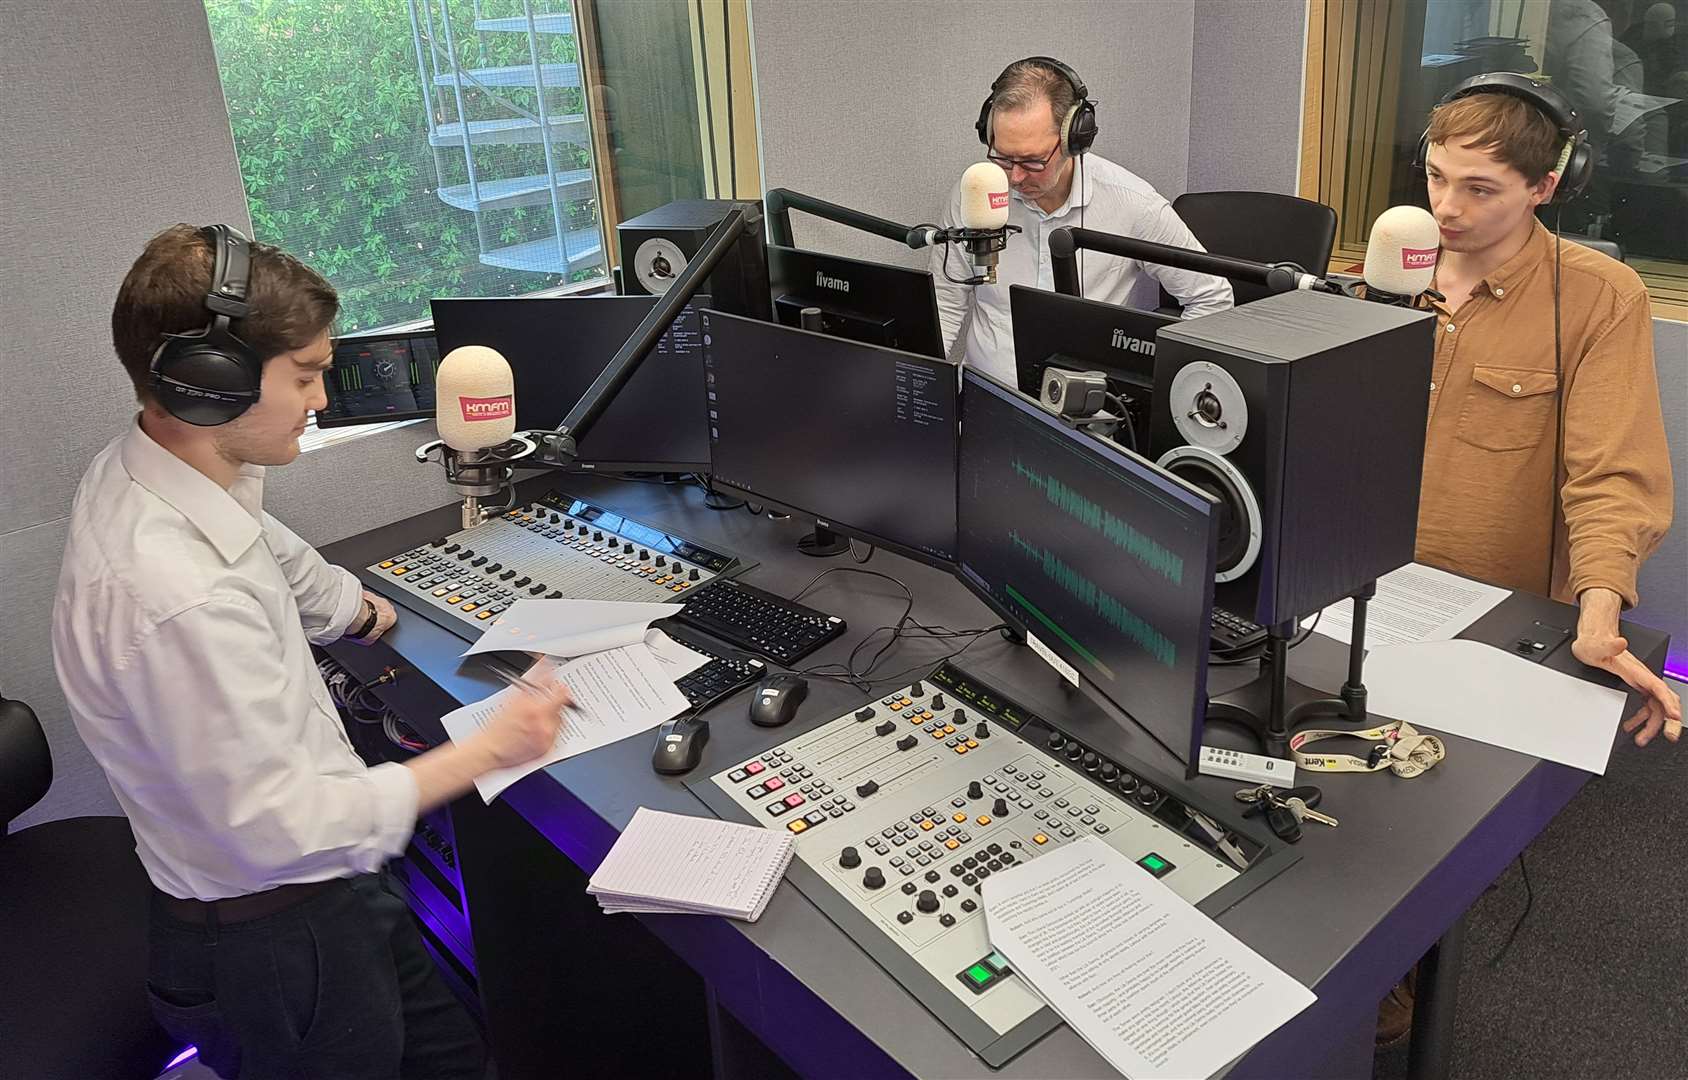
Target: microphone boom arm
558,448
780,201
1065,243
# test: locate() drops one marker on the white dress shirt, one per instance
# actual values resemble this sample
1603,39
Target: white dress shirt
181,634
1105,197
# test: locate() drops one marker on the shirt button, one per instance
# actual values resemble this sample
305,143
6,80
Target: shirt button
1499,291
1432,386
1452,328
1517,389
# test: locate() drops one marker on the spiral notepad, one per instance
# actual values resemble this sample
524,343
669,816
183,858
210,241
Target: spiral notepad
671,863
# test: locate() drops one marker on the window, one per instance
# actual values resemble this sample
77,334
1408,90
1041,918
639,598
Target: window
409,149
1376,67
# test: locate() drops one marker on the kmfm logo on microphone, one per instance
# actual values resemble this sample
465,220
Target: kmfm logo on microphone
1418,258
487,408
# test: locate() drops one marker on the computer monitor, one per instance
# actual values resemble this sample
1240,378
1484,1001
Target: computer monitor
858,437
380,377
558,345
1053,329
863,301
1103,560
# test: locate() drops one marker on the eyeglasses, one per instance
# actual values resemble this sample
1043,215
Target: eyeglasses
1031,165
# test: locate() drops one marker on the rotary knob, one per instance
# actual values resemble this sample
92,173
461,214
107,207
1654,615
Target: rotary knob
937,702
849,858
1000,808
975,791
1127,783
1147,795
1091,761
927,902
1074,751
1056,740
1109,771
874,878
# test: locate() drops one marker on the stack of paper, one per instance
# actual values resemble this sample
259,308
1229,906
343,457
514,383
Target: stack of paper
1155,986
673,864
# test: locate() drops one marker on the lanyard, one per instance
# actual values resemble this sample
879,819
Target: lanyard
1400,748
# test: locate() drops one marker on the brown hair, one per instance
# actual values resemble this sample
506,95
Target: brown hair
164,293
1026,82
1509,128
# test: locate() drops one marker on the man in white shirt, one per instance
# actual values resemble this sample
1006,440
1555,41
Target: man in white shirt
181,635
1038,125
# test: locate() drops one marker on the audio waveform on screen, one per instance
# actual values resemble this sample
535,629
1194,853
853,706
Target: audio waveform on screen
1087,592
1121,534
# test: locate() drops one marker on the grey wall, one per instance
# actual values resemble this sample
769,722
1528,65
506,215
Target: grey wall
93,167
871,103
1247,69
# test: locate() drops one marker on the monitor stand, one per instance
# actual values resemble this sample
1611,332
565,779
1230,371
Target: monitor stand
1273,704
822,543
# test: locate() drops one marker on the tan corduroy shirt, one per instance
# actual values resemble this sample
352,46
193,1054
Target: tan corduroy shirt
1489,460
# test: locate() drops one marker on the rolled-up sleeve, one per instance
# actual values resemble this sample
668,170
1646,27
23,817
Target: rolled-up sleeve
328,596
253,785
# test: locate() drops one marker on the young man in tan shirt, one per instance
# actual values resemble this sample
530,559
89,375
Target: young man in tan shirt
1540,473
1545,464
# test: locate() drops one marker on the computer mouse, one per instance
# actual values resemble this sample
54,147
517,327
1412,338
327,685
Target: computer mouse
679,745
776,699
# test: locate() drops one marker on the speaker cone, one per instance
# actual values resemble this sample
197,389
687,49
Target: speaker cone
1238,510
1208,407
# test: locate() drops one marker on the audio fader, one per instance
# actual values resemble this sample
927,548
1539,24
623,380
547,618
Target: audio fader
902,807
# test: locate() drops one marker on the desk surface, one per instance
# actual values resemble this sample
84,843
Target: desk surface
1364,901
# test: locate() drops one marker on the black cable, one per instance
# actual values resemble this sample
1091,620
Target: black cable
1118,404
1529,901
1558,405
1307,631
863,561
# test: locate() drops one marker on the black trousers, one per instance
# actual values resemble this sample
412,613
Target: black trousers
339,987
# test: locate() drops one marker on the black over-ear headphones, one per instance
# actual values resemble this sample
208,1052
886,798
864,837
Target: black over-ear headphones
1576,161
1078,127
209,376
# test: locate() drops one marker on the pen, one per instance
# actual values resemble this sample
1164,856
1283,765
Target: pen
518,681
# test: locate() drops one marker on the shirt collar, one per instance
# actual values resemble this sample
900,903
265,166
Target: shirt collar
1514,270
229,519
1080,194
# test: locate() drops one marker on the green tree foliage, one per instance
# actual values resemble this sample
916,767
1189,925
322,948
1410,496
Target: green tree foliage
330,124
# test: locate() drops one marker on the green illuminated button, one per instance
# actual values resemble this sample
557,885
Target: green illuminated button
1155,865
978,977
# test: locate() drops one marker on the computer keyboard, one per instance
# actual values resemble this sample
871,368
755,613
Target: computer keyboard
760,622
718,678
1231,632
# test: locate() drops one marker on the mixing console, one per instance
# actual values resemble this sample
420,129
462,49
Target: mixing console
557,547
901,808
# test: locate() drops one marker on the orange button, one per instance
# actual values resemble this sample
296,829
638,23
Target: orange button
927,715
938,735
984,819
961,749
959,818
440,592
927,825
952,843
452,599
400,571
797,826
1040,839
484,615
972,744
386,563
949,729
470,606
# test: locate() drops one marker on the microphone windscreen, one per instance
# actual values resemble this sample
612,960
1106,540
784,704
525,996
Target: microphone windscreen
475,398
1401,253
984,197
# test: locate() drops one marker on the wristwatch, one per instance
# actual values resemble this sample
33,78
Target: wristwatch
371,617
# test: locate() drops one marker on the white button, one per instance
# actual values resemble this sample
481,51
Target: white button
1432,386
1499,291
1451,328
1517,389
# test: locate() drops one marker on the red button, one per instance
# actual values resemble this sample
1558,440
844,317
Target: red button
794,800
754,767
775,783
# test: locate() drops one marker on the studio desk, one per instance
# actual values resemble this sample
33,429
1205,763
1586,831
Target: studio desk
567,991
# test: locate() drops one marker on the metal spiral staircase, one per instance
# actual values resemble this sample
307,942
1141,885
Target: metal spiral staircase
473,105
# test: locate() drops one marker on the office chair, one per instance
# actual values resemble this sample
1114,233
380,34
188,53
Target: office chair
73,930
1259,225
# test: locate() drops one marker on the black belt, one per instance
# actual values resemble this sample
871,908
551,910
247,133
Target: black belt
234,909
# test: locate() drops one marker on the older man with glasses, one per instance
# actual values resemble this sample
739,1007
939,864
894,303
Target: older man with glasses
1038,125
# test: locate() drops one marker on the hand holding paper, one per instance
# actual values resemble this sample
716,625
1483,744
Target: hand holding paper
570,627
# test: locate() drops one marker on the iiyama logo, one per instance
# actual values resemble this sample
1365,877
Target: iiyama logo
826,282
1123,340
